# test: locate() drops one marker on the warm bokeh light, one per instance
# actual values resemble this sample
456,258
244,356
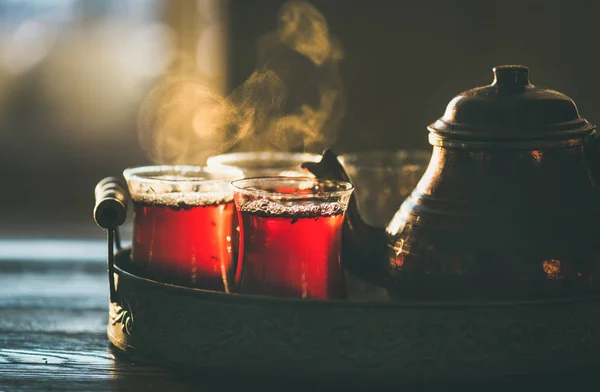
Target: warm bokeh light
27,45
552,268
95,78
92,63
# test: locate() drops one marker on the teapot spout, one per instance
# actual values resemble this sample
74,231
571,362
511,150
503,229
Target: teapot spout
363,246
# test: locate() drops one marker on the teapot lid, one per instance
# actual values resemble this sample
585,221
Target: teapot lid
510,112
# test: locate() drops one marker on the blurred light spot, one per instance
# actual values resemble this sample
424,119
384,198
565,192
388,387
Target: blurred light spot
551,267
209,9
537,156
152,45
99,73
209,51
27,46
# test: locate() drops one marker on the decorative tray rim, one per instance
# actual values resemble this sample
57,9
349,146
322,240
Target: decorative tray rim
124,252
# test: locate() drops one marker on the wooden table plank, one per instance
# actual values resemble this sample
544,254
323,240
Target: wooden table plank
53,316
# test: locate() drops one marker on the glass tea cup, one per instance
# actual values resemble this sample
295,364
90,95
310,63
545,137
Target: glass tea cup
383,179
182,224
291,232
263,164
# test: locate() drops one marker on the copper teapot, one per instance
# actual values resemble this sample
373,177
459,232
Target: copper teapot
508,208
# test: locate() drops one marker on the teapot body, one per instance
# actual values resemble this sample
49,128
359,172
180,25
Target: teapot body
508,208
499,223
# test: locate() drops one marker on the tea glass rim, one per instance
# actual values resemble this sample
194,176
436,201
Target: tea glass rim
143,174
236,159
348,187
375,158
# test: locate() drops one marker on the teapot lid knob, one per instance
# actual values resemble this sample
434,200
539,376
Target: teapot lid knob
511,75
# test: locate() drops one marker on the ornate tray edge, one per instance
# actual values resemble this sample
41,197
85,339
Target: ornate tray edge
121,262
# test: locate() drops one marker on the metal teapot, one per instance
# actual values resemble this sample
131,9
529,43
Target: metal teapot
508,208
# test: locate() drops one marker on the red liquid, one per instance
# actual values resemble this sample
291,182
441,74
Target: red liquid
291,256
235,238
188,245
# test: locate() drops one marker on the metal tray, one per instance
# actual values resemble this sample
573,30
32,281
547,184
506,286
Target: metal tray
194,328
358,339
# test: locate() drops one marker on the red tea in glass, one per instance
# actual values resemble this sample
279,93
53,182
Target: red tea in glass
290,238
183,224
262,164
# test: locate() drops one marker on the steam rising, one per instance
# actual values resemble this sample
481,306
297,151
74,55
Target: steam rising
304,29
293,101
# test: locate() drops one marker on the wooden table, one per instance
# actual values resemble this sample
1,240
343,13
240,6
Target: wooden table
53,314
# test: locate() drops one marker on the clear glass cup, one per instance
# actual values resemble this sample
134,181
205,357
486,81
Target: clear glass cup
383,179
182,224
263,164
291,233
266,163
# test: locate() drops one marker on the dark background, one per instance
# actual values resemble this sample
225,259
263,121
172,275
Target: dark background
404,61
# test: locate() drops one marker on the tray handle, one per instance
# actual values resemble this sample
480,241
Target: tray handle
111,203
110,210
